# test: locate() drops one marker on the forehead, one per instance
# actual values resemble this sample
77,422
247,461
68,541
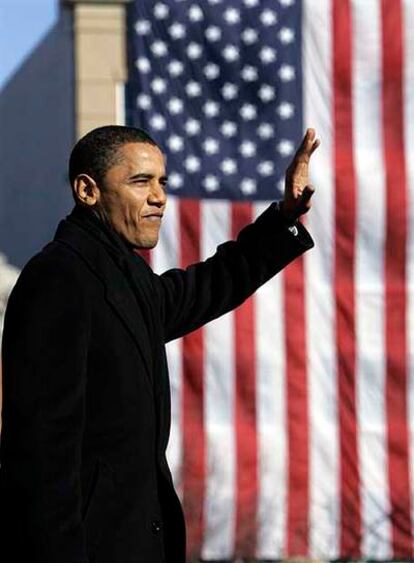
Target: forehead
141,157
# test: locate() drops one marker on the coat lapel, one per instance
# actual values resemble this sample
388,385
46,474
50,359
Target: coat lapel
117,290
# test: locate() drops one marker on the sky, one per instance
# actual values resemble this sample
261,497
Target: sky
23,23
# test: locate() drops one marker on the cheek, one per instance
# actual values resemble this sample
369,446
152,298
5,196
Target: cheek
131,210
125,209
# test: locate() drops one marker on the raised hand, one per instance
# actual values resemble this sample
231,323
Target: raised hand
298,191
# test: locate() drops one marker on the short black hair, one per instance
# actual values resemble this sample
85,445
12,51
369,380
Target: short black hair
96,152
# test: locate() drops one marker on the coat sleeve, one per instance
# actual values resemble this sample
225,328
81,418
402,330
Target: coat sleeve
206,290
44,376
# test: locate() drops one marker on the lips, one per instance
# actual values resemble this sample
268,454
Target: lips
154,216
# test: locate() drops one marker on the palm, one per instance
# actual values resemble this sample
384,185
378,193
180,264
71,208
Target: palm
298,192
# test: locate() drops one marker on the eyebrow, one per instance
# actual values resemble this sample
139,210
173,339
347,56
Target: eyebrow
143,176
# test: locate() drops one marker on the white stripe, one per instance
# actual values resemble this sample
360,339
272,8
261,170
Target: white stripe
319,278
165,256
369,279
219,509
408,18
271,417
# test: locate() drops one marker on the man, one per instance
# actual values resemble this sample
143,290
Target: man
86,411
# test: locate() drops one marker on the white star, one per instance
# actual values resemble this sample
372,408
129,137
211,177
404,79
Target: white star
267,55
192,164
286,73
175,143
211,183
175,106
265,168
195,13
161,11
143,27
228,128
214,2
267,93
193,89
249,36
249,73
194,50
159,48
143,64
175,180
143,101
265,131
175,68
177,30
232,16
287,3
250,3
285,110
229,91
158,85
211,145
248,186
157,122
211,108
285,147
230,53
213,33
248,112
247,149
192,126
286,35
268,17
212,71
228,166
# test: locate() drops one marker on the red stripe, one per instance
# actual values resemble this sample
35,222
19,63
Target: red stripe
193,468
350,502
395,278
145,254
245,412
297,412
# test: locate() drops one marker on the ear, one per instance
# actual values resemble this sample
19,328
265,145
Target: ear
86,190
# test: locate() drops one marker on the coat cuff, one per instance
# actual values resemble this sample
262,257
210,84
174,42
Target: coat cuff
272,221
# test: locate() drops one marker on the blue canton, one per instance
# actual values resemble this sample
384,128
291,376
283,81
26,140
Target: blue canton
218,84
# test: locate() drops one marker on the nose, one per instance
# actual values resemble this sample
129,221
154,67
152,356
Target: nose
157,195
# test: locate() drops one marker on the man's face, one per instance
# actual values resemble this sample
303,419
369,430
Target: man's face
133,197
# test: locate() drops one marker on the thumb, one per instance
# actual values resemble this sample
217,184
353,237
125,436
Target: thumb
303,204
306,195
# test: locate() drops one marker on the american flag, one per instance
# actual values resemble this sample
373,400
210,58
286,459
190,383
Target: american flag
293,416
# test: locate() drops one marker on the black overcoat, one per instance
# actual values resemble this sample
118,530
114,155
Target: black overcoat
86,412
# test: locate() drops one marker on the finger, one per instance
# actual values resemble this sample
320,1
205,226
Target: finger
307,144
315,145
310,134
307,138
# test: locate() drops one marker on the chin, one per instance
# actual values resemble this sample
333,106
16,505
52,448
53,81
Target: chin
145,244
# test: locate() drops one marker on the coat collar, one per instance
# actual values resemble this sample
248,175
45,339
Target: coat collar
117,289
